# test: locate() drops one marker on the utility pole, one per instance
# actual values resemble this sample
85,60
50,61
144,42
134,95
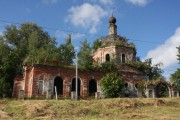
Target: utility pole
76,76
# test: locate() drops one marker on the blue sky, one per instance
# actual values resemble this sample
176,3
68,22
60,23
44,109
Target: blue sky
153,25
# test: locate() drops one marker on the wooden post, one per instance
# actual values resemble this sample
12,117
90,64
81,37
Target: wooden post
55,92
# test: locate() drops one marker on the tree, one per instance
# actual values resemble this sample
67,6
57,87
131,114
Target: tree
85,56
175,78
96,44
40,54
151,71
67,52
27,43
109,66
112,84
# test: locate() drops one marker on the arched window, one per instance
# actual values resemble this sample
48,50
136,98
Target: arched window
123,58
107,58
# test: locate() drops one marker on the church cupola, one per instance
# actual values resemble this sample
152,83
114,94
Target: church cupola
112,26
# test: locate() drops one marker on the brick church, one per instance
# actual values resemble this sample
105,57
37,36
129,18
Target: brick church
40,80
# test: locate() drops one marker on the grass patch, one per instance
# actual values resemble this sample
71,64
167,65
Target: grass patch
104,109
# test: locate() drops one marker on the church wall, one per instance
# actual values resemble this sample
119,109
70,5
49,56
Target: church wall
115,52
128,52
100,56
17,86
40,79
47,74
132,77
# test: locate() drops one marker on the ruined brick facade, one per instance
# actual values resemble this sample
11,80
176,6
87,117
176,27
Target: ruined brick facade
44,75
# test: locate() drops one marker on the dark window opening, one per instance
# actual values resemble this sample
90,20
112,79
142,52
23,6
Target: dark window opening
107,58
73,85
161,90
126,91
126,85
136,85
92,87
123,58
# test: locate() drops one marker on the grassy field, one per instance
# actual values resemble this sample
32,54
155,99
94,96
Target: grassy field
105,109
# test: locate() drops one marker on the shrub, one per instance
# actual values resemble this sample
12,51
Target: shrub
112,84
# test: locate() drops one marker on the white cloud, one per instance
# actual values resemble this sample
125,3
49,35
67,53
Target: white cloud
50,1
1,33
138,2
106,2
86,16
167,52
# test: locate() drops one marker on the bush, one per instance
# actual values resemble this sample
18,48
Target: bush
112,84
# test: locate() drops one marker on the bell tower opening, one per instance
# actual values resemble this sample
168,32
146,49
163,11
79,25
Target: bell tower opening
123,58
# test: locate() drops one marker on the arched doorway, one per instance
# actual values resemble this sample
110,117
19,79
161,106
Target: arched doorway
107,58
92,87
162,90
58,82
73,85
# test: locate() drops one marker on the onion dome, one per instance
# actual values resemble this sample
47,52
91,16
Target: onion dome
112,20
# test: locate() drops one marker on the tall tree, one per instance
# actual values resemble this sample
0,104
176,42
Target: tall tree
85,55
27,43
67,52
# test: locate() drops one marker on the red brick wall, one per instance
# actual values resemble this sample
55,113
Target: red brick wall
49,73
67,74
17,86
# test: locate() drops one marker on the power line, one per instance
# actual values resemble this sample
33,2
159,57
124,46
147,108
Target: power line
74,32
50,28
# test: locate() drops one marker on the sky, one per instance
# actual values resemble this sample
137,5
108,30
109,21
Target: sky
152,25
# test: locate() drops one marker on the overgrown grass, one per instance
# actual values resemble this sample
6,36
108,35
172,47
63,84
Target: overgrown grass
105,109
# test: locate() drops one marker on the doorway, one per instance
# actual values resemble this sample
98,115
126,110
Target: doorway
92,87
58,82
73,85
